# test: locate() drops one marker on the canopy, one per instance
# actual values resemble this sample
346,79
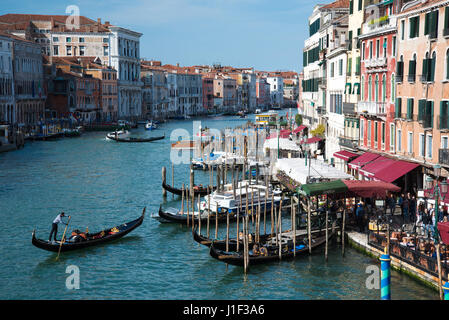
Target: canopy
296,169
284,144
364,189
312,140
377,165
345,155
365,158
370,189
285,133
395,171
443,228
299,129
313,189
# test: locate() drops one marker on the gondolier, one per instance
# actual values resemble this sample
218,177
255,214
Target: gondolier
54,226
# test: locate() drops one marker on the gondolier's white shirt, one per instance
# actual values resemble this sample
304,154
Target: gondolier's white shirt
58,219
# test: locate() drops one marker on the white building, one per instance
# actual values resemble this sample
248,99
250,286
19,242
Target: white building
6,81
276,90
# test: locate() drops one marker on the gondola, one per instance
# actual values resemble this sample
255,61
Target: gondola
173,215
92,239
198,191
236,258
131,139
221,244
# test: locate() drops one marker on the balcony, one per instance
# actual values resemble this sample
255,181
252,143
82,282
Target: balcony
426,121
348,142
376,62
443,156
372,108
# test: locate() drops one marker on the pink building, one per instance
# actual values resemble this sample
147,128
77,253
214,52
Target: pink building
208,93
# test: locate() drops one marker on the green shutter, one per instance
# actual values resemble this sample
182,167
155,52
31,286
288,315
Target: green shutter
412,27
398,107
432,69
410,108
444,123
351,7
446,18
431,114
425,69
421,109
426,24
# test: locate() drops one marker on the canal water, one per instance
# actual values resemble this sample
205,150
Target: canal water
101,184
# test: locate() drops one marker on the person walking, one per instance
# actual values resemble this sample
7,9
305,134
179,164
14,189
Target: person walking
359,212
54,226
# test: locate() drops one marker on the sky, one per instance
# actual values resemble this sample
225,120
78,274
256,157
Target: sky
264,34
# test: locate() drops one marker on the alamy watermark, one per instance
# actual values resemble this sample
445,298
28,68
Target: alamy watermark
373,279
72,282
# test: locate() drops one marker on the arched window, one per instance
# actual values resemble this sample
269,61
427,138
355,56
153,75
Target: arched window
376,96
447,64
393,91
362,83
384,88
369,88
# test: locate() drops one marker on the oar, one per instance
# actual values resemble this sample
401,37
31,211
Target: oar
62,239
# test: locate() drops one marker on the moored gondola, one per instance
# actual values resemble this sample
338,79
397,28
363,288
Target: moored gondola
91,239
174,215
272,251
198,190
133,139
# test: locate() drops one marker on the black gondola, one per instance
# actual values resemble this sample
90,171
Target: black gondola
173,215
132,139
92,239
198,190
221,244
236,258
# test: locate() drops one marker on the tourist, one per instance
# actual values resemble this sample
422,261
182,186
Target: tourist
412,209
54,226
405,208
359,212
392,203
400,202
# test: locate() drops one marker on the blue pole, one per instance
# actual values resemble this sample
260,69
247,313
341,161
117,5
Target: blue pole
446,291
385,277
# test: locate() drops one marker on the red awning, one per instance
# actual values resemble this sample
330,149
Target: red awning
395,171
443,228
365,158
312,140
370,169
345,155
370,189
299,129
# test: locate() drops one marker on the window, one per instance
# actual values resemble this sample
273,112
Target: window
363,88
383,135
446,22
414,27
351,6
82,50
376,132
392,137
350,41
429,146
385,46
340,67
410,142
410,103
431,24
394,46
55,50
332,69
376,88
447,64
400,69
360,5
105,51
363,51
55,39
105,40
68,39
402,29
399,144
69,50
369,88
412,69
349,71
370,50
444,115
362,125
444,142
384,88
82,40
393,87
377,48
422,143
369,131
398,108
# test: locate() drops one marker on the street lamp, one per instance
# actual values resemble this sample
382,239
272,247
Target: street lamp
439,193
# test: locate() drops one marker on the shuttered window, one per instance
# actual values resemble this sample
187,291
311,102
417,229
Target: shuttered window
412,70
431,24
410,102
351,7
421,109
446,22
444,123
414,27
398,107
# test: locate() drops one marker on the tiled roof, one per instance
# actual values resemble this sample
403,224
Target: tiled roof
423,4
337,4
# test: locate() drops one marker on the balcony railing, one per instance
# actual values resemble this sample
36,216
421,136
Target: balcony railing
376,62
443,156
348,142
426,121
372,107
